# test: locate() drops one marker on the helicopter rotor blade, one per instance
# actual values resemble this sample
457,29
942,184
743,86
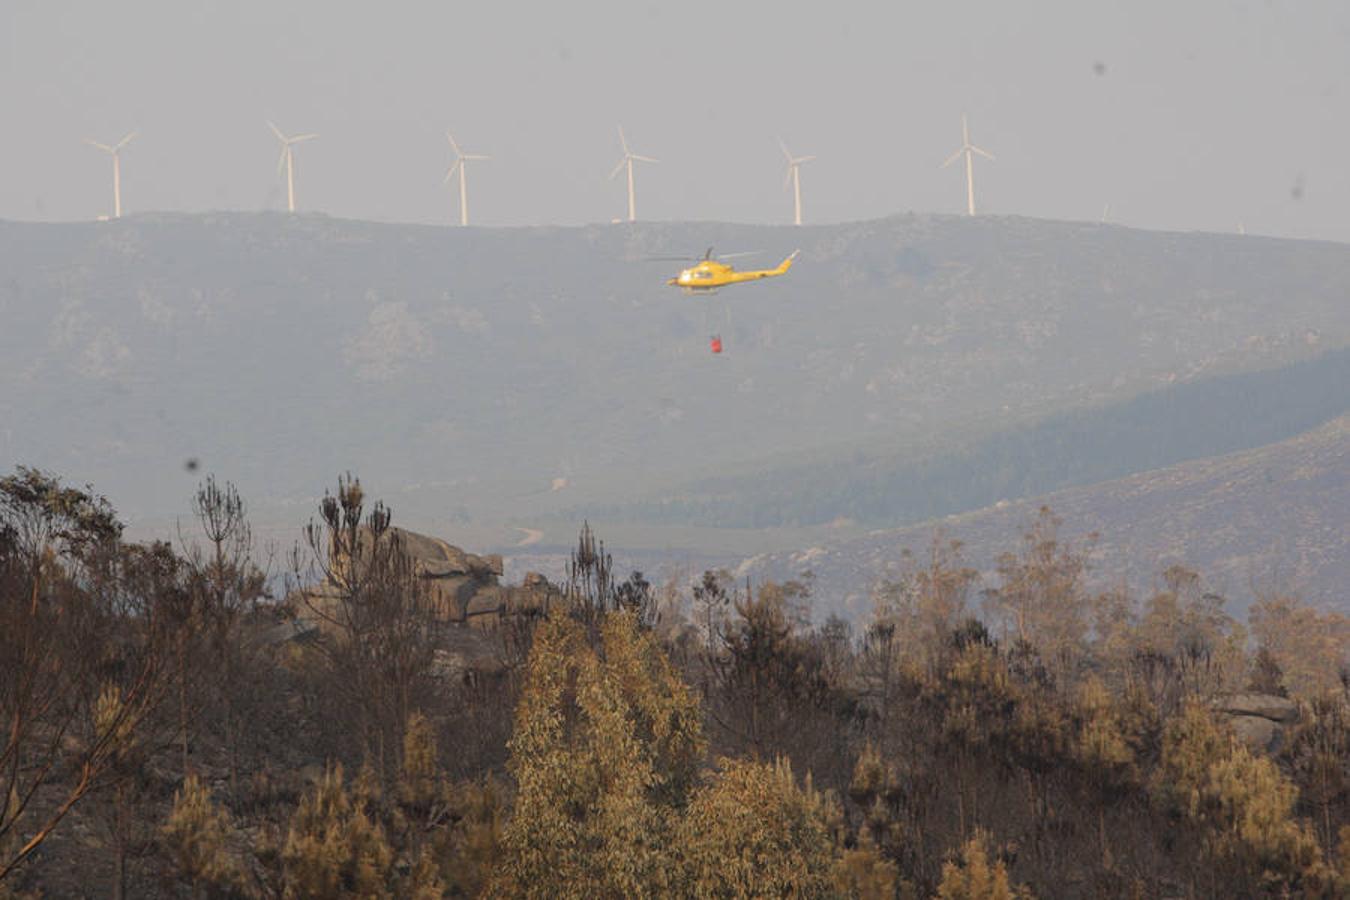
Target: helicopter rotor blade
708,254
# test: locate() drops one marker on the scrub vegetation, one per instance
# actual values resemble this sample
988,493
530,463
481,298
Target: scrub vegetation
1015,736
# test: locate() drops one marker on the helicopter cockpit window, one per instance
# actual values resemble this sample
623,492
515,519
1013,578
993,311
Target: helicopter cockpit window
702,274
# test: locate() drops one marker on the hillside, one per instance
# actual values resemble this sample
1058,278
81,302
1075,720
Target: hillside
461,372
1183,421
1273,517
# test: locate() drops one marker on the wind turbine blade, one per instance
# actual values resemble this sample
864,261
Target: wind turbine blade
953,158
277,131
104,147
644,158
281,160
803,159
619,168
784,148
975,149
624,141
453,146
787,179
126,140
450,172
302,137
474,156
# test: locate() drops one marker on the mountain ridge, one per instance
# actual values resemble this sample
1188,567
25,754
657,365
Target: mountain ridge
466,371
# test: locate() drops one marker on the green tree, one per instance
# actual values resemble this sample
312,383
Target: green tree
1104,754
451,833
195,835
1241,806
752,832
468,847
606,745
335,846
419,786
1317,754
973,877
863,872
886,835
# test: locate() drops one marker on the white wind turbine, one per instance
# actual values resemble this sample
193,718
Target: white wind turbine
460,159
794,178
287,161
629,157
969,150
115,151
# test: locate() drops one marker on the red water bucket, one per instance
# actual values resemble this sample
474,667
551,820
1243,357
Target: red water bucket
716,344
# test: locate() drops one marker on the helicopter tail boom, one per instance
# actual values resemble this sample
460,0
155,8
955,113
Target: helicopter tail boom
787,263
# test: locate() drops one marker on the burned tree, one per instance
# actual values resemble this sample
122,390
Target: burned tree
82,651
592,592
226,588
379,643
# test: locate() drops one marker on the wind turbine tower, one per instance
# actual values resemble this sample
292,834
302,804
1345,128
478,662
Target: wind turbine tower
794,178
287,161
460,159
969,150
629,157
115,151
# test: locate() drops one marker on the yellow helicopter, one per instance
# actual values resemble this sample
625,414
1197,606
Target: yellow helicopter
712,273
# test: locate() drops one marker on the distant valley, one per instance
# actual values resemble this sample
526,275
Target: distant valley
1189,420
1273,519
494,383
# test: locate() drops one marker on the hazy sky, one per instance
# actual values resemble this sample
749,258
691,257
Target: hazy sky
1184,115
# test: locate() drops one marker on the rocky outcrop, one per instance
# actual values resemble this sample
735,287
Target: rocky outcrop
465,595
1258,720
461,587
1266,706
